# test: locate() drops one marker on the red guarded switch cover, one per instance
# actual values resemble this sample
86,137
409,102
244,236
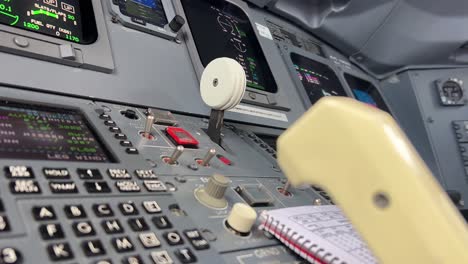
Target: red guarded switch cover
181,136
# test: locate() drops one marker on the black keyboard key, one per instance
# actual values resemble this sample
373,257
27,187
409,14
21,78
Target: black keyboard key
74,211
10,255
63,187
161,257
18,172
152,207
97,187
89,174
132,260
173,238
103,210
200,244
122,244
119,174
42,213
4,224
128,208
51,231
59,251
138,224
56,173
149,240
161,222
185,255
25,187
84,228
127,186
112,226
93,248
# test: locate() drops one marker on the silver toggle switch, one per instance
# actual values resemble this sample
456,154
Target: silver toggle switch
206,160
148,126
175,155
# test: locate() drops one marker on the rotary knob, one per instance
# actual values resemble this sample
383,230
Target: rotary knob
212,195
241,219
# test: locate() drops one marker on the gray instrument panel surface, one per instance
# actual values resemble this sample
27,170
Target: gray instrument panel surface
251,167
419,110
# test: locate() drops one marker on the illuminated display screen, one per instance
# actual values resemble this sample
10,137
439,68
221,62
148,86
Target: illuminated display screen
72,20
37,133
144,11
222,29
318,79
366,92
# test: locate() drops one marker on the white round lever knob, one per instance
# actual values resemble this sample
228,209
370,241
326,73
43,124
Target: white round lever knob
222,84
242,218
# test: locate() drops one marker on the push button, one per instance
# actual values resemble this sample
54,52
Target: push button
131,151
83,229
51,231
110,123
52,173
74,211
59,252
114,129
138,224
97,187
105,117
132,260
122,244
181,137
149,240
173,238
128,208
145,174
112,226
120,136
152,207
161,257
126,143
4,224
200,244
118,174
43,213
185,255
25,187
18,172
89,174
161,222
63,187
155,186
192,234
127,186
102,210
10,256
93,248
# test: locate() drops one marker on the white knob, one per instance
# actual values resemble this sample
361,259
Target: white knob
242,218
223,84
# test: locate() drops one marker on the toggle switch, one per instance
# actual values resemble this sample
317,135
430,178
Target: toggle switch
241,219
172,160
148,127
205,162
212,195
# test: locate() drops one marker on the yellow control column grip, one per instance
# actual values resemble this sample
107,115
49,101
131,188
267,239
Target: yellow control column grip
362,158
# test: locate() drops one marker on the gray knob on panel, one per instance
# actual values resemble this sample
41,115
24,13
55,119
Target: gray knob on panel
212,195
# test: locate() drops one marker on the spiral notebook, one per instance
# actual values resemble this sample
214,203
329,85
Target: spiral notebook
319,234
